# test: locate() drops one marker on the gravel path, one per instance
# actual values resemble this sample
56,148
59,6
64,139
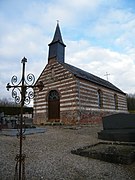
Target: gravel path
49,157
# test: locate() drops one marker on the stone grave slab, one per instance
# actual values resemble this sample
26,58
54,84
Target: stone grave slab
118,127
119,153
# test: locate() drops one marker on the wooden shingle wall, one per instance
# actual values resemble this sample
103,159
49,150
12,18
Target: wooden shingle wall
55,77
89,109
78,97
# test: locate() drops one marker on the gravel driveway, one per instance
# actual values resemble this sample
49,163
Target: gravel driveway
49,156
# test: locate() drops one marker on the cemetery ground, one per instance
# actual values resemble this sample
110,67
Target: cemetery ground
49,157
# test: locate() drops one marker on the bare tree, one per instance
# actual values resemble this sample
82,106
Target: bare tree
7,102
131,102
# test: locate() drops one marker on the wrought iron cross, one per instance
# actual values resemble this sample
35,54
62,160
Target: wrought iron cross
22,92
107,75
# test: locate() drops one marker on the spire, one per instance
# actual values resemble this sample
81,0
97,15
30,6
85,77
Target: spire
57,35
57,47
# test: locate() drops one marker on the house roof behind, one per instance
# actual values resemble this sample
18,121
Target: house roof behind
90,77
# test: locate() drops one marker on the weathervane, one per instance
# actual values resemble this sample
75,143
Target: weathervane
22,92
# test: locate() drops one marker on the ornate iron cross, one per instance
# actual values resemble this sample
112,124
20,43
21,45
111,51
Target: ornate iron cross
22,92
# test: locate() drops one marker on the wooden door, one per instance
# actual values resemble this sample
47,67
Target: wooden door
53,106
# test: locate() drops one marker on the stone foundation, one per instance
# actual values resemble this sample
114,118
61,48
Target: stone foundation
92,117
74,117
39,118
83,117
69,117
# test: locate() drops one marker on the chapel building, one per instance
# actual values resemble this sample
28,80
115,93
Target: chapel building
72,95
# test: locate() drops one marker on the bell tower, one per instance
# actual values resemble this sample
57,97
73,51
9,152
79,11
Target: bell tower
57,47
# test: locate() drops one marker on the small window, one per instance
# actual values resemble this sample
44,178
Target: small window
52,73
116,101
100,99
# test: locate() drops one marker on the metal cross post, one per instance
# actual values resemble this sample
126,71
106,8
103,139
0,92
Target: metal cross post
23,89
107,75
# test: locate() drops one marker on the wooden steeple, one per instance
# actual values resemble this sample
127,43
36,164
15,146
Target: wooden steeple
57,47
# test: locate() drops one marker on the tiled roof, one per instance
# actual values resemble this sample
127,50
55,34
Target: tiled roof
90,77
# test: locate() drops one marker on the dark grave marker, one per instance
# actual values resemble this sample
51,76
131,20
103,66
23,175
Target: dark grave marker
118,127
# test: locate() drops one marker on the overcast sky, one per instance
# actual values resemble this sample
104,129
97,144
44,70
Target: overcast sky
99,37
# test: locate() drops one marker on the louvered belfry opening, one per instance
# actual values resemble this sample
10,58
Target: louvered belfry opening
53,106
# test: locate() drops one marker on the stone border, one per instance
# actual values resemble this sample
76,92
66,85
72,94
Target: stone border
109,152
28,131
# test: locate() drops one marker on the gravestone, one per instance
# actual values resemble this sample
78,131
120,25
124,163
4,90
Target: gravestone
118,127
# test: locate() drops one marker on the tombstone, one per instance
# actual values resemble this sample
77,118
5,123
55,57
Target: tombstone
118,127
0,121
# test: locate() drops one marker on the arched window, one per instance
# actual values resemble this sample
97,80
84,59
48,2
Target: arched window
53,95
116,101
100,99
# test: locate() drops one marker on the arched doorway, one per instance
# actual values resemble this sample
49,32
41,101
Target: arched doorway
53,106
